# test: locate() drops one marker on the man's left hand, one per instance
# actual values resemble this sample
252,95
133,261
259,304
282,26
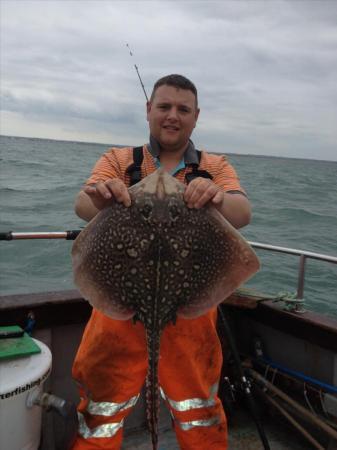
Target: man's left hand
202,190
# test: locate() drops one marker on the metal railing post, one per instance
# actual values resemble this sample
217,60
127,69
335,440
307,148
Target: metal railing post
300,285
301,272
296,303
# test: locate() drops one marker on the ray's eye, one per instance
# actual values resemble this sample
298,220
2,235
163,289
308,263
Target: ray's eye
146,211
174,211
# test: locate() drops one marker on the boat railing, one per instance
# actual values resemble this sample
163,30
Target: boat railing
296,304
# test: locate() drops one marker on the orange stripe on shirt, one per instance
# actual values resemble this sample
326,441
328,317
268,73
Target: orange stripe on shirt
114,163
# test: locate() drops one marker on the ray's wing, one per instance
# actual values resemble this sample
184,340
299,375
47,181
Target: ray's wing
220,261
98,264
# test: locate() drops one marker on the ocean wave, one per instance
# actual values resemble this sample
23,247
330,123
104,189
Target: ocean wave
55,188
17,163
275,214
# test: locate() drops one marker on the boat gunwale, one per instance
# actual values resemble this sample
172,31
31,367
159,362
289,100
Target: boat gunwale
69,307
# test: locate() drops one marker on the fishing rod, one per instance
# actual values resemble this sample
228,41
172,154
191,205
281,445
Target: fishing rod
140,79
69,235
245,384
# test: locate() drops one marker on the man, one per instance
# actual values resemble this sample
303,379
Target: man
111,362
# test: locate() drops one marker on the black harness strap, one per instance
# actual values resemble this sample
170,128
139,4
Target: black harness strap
135,172
196,172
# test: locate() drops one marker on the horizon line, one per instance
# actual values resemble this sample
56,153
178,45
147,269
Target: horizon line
125,145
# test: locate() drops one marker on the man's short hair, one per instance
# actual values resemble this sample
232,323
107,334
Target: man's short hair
177,81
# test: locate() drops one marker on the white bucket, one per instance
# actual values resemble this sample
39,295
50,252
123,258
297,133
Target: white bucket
20,426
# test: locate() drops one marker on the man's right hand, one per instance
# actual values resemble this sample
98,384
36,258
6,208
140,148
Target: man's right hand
94,198
103,192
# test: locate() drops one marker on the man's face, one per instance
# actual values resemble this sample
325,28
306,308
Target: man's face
172,114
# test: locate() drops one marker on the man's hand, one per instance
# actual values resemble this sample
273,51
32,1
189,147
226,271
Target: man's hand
234,207
93,198
103,192
202,190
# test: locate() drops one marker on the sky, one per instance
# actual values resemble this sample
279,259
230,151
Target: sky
265,71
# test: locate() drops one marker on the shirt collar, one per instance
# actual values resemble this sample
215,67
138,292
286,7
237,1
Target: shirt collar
190,154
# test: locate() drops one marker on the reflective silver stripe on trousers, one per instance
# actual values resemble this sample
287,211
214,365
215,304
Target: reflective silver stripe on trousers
110,408
193,403
198,423
107,430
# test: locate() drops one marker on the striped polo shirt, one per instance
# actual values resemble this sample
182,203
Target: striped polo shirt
114,164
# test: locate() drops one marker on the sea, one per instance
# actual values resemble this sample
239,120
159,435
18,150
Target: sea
294,205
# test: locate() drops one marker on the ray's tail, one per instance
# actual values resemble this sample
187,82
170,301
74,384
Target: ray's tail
152,386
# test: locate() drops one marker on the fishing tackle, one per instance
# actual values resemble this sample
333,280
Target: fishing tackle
141,81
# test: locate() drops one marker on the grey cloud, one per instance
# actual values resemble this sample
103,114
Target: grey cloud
63,109
262,68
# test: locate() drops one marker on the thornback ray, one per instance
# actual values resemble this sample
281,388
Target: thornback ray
156,260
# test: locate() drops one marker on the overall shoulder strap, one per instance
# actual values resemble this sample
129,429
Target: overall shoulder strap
134,170
196,172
